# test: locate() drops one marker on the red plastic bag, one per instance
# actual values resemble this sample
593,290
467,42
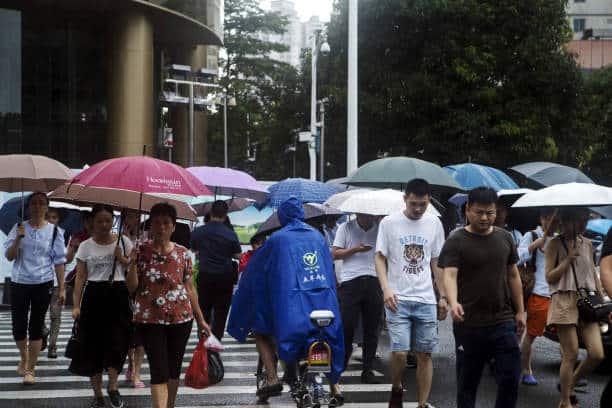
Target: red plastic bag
197,372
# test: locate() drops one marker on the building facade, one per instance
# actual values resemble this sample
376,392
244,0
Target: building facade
82,80
591,23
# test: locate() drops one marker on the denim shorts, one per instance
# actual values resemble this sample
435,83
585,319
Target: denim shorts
414,327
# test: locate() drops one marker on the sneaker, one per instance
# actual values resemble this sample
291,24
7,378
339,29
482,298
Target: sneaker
52,353
116,399
97,402
397,398
368,377
529,379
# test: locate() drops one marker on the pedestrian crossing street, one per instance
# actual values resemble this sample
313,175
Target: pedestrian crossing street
57,387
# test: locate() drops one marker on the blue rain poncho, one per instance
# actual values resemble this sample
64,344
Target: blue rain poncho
287,278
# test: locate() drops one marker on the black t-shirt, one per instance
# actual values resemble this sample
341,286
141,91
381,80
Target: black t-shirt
215,243
607,246
482,284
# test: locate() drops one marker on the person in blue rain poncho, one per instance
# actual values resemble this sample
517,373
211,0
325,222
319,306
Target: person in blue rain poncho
287,278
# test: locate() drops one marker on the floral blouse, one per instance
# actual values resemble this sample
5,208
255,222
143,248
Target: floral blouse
161,297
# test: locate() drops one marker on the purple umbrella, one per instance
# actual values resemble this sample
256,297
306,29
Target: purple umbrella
229,182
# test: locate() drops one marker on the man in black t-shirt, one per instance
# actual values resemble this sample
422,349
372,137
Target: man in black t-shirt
484,292
606,280
216,245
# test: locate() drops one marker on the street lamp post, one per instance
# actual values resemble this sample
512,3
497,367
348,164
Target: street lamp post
352,94
319,44
322,102
223,98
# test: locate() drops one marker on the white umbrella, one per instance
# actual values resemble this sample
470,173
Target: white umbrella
378,202
567,195
339,198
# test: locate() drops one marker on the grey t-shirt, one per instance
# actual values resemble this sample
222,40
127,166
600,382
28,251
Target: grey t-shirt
482,284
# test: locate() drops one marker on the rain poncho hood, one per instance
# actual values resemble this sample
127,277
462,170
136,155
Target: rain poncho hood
286,279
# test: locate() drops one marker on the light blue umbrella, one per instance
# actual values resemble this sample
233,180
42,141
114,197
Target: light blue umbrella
600,226
308,191
470,175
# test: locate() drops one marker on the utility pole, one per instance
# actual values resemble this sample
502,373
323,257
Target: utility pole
352,92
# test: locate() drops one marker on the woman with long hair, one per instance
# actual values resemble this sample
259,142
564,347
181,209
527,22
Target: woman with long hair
37,250
101,306
570,268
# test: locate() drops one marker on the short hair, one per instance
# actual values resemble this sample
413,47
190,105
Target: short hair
55,210
419,187
163,210
219,209
256,239
101,207
37,193
482,195
86,215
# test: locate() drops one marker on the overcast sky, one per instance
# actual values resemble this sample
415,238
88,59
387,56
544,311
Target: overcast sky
308,8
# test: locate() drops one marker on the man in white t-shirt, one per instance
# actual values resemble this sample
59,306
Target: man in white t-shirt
360,294
407,250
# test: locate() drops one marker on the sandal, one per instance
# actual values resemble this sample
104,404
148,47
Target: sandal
138,384
21,369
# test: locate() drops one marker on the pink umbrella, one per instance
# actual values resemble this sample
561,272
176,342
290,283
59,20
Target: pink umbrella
131,182
230,182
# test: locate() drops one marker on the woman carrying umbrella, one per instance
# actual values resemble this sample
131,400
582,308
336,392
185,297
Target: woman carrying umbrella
103,312
37,249
569,259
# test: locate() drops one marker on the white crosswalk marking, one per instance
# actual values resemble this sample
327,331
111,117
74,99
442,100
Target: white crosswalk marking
57,387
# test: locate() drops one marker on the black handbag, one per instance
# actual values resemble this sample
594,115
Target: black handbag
73,345
591,306
216,371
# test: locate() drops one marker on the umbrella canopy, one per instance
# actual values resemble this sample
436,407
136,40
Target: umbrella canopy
470,175
10,214
230,182
600,227
27,172
567,195
307,191
234,204
132,182
544,174
395,172
311,210
337,199
376,202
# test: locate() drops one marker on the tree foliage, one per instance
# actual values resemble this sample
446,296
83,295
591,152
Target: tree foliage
452,81
269,94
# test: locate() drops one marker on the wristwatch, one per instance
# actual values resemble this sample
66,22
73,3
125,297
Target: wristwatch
443,297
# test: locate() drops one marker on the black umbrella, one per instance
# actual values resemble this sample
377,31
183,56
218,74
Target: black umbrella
544,174
311,211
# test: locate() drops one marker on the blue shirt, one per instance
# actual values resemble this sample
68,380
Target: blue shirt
35,263
216,244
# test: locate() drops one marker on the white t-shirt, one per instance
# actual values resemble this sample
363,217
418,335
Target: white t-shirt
409,246
350,234
99,259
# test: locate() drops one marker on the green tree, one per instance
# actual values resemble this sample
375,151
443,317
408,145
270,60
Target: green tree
269,95
451,81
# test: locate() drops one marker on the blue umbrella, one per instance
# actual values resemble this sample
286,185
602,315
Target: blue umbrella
10,214
308,191
470,175
600,226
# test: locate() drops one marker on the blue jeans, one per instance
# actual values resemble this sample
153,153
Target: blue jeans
474,347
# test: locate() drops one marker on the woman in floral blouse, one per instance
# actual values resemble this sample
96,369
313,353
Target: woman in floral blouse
165,304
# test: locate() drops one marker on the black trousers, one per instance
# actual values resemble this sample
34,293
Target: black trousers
165,347
33,299
606,396
361,297
215,299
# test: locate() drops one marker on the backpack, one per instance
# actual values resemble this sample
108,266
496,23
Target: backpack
527,272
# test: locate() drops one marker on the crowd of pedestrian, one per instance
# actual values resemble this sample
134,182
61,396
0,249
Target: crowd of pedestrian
134,297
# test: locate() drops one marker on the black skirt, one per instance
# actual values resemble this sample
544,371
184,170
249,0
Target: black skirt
104,329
